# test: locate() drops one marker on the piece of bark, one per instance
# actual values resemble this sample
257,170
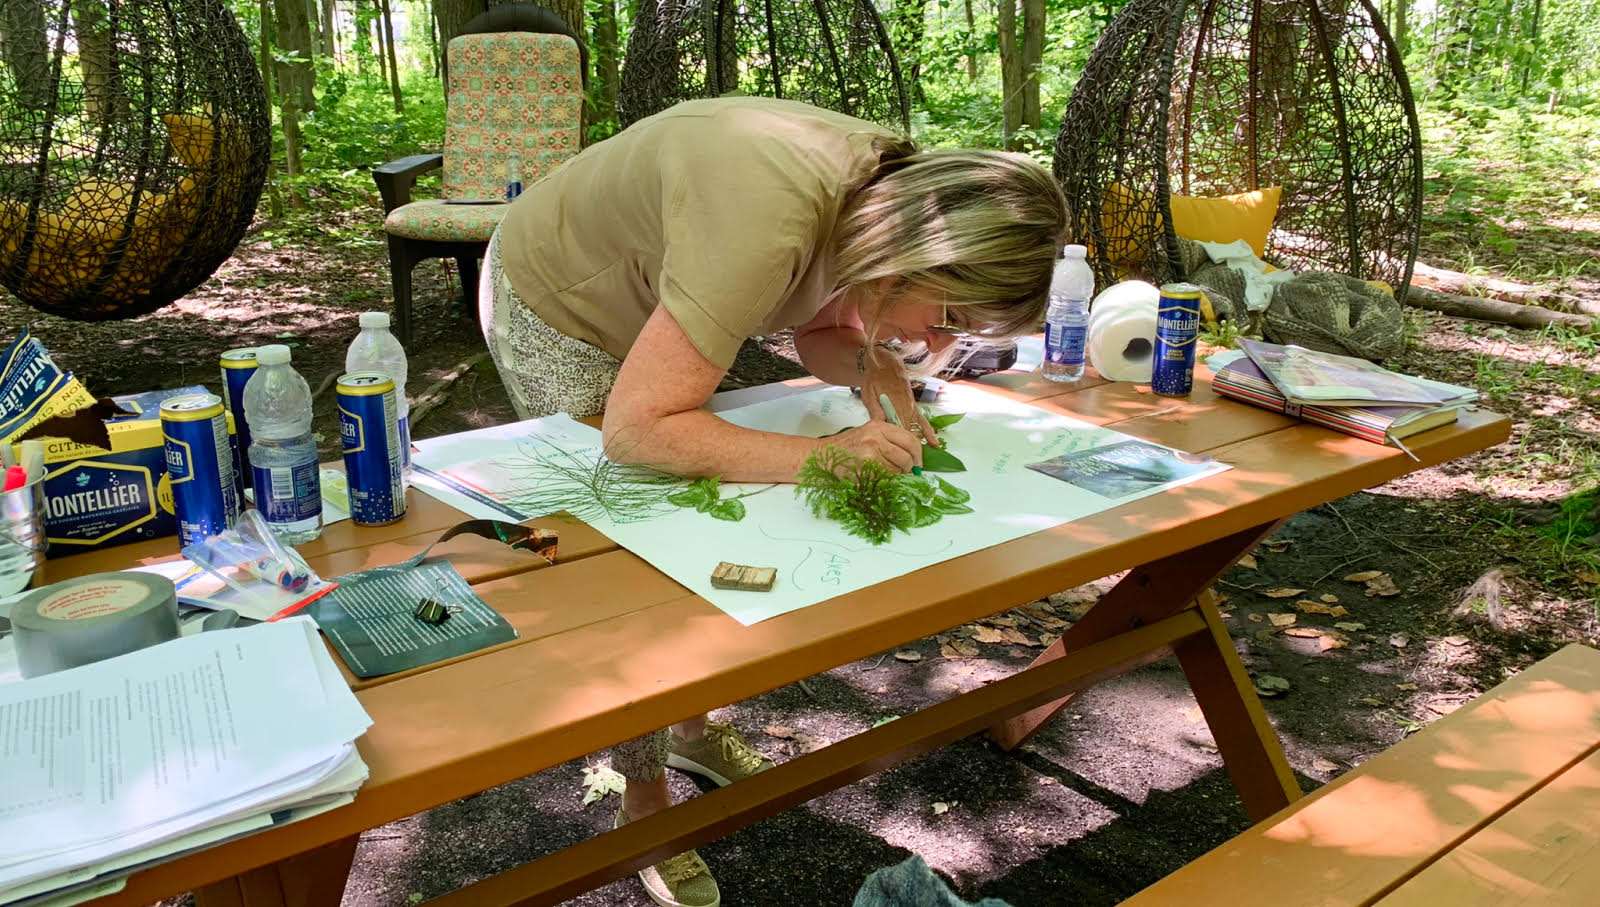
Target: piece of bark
743,579
1456,283
1515,314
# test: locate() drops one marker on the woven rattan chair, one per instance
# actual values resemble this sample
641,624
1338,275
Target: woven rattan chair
514,86
1213,97
831,53
133,149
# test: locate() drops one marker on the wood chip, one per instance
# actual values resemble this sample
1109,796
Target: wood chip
1364,576
743,579
1282,593
1280,619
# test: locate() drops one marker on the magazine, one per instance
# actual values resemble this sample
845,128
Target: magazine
1313,378
1126,467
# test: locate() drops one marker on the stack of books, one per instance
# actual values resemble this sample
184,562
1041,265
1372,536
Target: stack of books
1338,392
120,764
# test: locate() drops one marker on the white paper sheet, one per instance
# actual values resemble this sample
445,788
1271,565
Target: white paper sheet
816,559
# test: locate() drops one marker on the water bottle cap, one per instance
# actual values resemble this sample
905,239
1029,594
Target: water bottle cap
1075,251
272,354
374,319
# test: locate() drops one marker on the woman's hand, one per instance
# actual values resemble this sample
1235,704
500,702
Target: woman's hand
887,444
885,376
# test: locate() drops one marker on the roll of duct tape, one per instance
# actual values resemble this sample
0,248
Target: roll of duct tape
92,618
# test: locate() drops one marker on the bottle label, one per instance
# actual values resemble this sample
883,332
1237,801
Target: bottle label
1063,343
289,494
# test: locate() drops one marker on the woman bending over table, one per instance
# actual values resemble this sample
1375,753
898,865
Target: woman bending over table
626,280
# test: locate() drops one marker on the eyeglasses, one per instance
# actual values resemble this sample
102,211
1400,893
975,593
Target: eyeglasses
945,326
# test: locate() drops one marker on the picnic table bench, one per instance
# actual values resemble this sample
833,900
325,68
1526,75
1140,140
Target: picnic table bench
1497,803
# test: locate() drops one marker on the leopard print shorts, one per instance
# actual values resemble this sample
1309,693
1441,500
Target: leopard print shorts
544,370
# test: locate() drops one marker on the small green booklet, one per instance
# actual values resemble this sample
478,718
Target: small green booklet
371,618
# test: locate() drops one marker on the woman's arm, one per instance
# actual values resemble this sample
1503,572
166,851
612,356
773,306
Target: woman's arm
654,417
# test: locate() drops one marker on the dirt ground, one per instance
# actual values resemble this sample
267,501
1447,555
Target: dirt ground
1126,785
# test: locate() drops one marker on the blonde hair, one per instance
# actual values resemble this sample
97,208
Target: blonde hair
980,229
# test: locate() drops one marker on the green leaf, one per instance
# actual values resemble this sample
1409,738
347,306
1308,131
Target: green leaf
731,509
695,496
950,507
958,495
937,459
945,420
926,516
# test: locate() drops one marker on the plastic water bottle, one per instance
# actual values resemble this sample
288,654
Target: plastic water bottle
1066,323
283,455
375,349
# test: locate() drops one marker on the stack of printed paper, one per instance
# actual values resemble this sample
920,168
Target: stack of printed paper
115,765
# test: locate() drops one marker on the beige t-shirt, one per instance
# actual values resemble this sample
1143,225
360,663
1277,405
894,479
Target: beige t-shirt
722,210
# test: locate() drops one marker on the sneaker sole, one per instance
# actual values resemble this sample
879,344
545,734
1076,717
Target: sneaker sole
684,764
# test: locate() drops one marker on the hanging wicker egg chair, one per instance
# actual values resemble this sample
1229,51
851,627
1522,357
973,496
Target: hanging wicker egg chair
834,54
133,149
1215,97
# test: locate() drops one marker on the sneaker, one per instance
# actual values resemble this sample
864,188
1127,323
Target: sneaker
680,881
721,755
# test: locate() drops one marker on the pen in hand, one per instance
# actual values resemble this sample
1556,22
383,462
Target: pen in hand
894,419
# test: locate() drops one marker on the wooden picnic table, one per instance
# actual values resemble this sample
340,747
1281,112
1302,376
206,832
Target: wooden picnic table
562,689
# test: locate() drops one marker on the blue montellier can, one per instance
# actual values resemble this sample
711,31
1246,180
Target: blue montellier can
369,426
237,367
200,465
1177,329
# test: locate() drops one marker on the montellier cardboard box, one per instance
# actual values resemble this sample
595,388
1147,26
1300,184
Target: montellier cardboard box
96,498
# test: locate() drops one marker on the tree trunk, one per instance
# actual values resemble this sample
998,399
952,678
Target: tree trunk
330,34
1515,314
104,100
291,34
274,198
360,40
1401,8
970,42
452,14
570,11
606,74
380,40
1032,60
1532,57
394,66
1010,73
25,49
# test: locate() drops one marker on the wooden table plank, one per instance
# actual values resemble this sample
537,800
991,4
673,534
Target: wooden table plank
1545,851
1350,841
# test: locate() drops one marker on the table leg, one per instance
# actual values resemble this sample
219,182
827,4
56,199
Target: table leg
312,879
1245,738
1147,594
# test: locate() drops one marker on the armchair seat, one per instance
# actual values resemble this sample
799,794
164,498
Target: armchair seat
432,219
514,87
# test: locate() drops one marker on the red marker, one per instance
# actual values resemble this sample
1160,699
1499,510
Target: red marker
16,477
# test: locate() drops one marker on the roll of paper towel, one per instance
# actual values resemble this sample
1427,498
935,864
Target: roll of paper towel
1122,331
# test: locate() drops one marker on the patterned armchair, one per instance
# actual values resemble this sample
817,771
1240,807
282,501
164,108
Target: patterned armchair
514,85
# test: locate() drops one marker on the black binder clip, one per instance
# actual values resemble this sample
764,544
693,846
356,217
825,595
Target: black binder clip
433,612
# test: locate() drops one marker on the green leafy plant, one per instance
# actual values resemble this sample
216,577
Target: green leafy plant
940,459
705,495
869,500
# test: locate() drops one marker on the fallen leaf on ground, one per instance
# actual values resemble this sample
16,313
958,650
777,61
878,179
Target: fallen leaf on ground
1271,684
1194,715
1013,635
1282,593
1405,686
1329,598
948,652
1324,766
1255,618
1248,562
1303,632
1383,587
1350,626
940,809
907,655
1208,747
1328,641
1281,619
1266,635
1275,544
1048,639
1456,640
1399,640
1443,707
1368,700
1364,576
1588,574
779,731
599,781
984,633
1311,607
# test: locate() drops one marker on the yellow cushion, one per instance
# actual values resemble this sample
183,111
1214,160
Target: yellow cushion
1247,216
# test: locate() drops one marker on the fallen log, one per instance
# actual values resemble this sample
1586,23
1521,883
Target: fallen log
439,391
1516,314
1456,283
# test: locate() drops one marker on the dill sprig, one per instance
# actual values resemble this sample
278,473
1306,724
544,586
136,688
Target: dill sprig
590,485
